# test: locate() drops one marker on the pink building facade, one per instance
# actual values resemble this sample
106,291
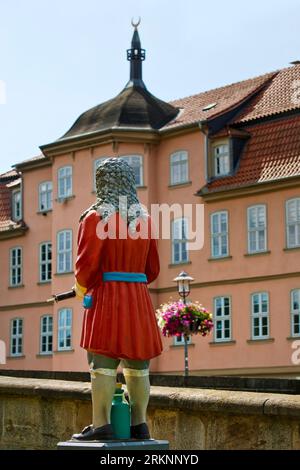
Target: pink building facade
236,150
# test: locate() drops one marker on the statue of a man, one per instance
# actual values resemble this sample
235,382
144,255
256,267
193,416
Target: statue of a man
112,273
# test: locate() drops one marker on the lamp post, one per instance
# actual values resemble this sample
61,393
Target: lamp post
183,285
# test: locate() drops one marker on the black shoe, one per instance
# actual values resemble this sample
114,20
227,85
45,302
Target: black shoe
103,433
140,431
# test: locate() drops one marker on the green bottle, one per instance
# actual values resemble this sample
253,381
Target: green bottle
120,414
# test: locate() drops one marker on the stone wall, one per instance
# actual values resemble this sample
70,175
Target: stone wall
37,413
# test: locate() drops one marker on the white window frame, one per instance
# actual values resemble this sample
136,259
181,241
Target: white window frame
96,163
129,159
63,329
63,174
16,269
47,334
179,161
221,159
16,336
179,340
45,192
295,224
295,312
257,228
183,222
64,252
222,318
16,205
260,315
47,262
219,234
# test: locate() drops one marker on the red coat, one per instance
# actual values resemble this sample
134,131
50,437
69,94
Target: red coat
121,322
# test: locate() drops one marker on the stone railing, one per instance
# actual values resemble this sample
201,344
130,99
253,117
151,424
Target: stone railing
37,413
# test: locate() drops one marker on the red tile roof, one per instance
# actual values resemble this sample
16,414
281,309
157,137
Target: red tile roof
271,153
224,98
282,95
8,175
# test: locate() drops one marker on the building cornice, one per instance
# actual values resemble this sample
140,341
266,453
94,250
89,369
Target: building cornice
108,136
32,164
225,282
6,308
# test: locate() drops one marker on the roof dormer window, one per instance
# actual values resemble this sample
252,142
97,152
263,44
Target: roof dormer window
16,205
221,159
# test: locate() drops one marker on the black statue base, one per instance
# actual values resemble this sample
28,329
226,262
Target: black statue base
129,444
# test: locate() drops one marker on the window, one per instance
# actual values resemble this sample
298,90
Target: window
179,167
257,229
136,163
16,205
46,344
45,262
45,196
222,314
16,337
221,160
96,163
295,312
64,340
260,315
179,241
16,266
65,182
293,222
64,251
179,340
219,234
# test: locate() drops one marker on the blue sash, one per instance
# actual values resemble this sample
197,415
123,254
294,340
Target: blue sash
124,276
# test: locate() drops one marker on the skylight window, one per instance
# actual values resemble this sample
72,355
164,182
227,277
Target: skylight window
209,106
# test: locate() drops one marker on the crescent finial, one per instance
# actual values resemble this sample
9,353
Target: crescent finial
135,25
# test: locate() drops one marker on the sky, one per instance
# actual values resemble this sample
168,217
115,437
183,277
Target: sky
59,58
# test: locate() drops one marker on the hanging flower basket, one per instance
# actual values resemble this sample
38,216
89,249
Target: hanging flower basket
177,319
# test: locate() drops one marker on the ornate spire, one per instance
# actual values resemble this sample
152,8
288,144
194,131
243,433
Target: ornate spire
136,55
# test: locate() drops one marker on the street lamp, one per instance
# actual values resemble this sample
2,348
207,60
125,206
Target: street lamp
183,286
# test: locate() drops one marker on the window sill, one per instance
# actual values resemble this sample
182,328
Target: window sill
181,345
41,283
19,286
59,351
21,356
182,263
64,273
293,338
294,248
257,253
220,258
64,199
141,187
222,343
260,340
44,212
41,355
179,185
